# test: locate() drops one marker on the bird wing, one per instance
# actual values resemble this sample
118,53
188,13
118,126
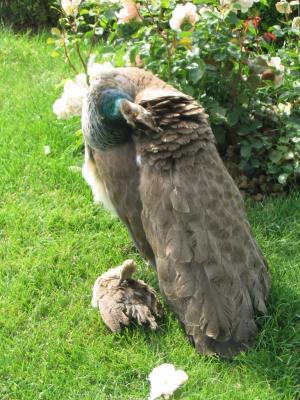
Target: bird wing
117,172
209,266
112,308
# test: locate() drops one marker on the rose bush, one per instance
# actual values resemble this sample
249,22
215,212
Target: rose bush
245,74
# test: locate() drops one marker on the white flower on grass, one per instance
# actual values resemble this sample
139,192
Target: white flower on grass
296,23
275,62
95,69
183,13
75,168
283,7
70,103
70,7
129,12
164,380
47,150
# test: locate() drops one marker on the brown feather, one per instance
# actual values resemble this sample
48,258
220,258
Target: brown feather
121,298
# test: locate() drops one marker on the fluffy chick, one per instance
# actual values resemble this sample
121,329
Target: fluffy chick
121,298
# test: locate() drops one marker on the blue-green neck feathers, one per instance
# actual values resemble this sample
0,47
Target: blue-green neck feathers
107,127
109,106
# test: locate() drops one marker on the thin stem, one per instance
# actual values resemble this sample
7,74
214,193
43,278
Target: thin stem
93,33
169,58
67,55
80,56
74,29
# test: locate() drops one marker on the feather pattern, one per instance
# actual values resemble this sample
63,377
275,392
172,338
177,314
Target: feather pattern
121,298
189,212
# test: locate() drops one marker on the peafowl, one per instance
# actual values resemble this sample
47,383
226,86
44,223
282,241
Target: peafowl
121,298
151,158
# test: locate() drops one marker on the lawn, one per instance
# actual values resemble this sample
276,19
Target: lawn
55,242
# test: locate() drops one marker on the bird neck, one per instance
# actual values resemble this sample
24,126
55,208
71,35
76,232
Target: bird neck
109,106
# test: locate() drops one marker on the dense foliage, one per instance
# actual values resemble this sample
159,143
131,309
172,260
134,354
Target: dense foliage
27,13
244,72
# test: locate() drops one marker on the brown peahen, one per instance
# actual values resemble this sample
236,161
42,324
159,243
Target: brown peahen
150,156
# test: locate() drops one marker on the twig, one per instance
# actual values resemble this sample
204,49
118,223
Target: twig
67,55
80,57
74,29
93,33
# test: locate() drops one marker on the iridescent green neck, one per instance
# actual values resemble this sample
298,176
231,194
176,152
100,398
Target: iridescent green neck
109,106
105,126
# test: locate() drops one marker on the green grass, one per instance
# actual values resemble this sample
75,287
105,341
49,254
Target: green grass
54,242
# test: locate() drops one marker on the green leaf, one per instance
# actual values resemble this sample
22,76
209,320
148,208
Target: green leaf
55,54
220,134
250,127
196,71
233,117
195,75
84,11
246,150
275,156
188,89
218,113
165,3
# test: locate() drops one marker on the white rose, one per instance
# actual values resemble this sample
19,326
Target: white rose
296,23
275,62
283,7
70,7
129,12
94,70
183,13
70,103
164,380
235,5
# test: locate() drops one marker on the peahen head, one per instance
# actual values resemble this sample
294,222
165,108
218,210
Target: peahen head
109,106
110,116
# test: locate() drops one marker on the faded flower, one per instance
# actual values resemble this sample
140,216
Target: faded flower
296,23
275,62
205,8
283,7
70,7
164,380
235,5
284,109
70,103
183,13
129,12
94,70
